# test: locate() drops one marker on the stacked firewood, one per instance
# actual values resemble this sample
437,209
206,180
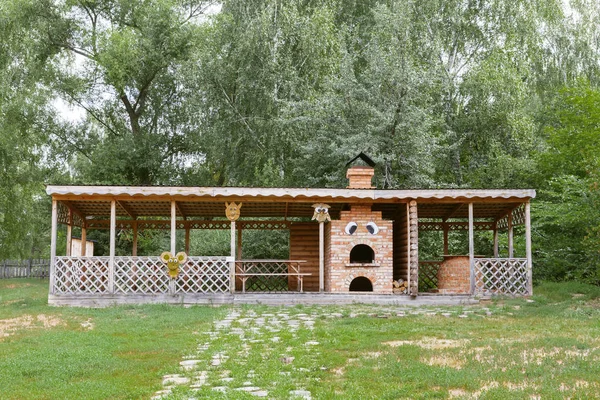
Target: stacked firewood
400,286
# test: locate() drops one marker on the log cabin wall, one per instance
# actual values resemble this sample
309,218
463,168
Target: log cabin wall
304,245
401,245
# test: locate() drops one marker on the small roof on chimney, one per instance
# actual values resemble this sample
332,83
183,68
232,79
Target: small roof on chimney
364,158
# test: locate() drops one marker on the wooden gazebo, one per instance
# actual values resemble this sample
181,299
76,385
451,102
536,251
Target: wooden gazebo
326,227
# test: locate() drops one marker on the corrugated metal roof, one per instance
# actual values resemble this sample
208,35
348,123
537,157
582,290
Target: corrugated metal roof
289,193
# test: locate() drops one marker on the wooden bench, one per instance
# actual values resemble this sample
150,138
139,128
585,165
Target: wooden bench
257,268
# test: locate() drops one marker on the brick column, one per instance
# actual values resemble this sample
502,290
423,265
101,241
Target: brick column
414,248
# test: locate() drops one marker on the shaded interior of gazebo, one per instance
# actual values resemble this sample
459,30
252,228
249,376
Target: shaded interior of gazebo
318,254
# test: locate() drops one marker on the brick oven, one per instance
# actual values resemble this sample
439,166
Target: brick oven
359,245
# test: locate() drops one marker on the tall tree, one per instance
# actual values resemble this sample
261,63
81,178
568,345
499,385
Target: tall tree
25,120
118,61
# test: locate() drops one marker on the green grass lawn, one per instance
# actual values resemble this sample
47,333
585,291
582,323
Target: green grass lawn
506,349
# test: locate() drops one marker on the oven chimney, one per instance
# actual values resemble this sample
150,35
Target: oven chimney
361,176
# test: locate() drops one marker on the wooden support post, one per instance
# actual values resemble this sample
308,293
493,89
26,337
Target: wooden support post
496,251
135,239
528,248
173,228
187,239
232,212
321,257
52,245
471,248
173,241
69,234
83,239
511,251
232,264
239,243
113,236
413,245
445,239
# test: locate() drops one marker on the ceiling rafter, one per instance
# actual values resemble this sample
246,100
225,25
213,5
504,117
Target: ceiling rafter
453,212
506,211
73,208
127,209
178,207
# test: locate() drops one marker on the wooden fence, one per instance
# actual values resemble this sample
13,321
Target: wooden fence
24,269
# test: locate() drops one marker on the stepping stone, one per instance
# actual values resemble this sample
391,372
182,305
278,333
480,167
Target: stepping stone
463,316
446,314
304,394
189,364
220,388
227,380
260,393
311,343
248,388
160,394
175,380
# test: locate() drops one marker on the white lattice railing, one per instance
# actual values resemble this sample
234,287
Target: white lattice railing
508,276
204,275
80,275
139,275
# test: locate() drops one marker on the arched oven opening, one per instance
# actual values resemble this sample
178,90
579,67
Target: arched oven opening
361,284
362,254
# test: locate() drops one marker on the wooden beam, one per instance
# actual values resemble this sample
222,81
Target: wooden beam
127,209
232,254
321,257
83,240
446,239
180,210
452,212
496,251
239,244
53,231
69,234
187,239
113,236
74,208
506,211
173,228
510,237
471,248
528,248
135,239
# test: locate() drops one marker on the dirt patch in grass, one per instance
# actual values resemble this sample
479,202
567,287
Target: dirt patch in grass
430,343
10,326
445,361
17,285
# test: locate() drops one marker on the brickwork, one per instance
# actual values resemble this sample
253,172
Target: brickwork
360,177
454,275
339,271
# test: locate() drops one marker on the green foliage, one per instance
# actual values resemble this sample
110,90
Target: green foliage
441,93
568,213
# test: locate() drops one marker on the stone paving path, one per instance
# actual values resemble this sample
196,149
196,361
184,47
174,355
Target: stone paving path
236,358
